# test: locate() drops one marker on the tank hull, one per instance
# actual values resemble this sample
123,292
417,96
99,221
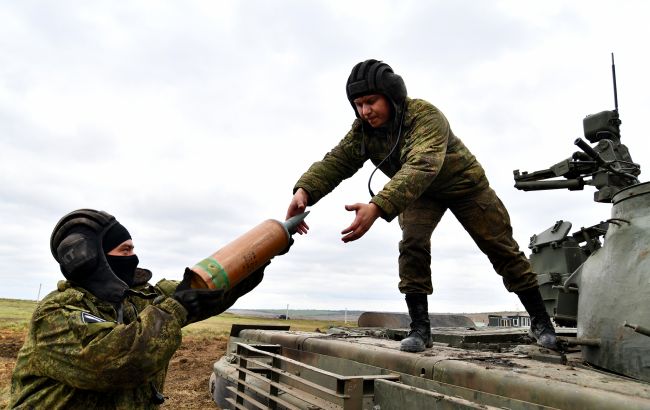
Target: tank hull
305,368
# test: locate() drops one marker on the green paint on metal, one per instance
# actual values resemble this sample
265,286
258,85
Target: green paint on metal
218,275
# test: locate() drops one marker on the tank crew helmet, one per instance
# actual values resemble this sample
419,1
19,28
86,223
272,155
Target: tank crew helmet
375,77
80,242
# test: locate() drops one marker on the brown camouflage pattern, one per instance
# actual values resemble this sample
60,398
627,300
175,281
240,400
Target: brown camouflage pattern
66,363
431,171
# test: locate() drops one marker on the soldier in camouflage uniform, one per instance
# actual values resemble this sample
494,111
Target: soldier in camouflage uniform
431,170
104,338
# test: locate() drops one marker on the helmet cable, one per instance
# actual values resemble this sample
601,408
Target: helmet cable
399,135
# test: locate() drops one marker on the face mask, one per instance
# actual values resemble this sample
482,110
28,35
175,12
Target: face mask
123,267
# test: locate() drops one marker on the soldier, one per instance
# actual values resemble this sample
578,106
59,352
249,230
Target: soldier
430,171
104,338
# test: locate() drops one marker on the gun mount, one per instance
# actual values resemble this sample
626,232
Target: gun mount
608,166
585,276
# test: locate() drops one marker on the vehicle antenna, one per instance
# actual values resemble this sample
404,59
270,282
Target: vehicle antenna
614,80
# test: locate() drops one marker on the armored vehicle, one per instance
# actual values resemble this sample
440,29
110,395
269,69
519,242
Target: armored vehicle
596,286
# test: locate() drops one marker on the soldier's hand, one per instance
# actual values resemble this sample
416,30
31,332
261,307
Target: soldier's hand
249,283
366,215
297,206
199,303
285,250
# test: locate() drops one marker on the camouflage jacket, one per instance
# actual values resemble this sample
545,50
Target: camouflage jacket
429,160
76,355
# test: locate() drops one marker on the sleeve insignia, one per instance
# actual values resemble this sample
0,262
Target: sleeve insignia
88,318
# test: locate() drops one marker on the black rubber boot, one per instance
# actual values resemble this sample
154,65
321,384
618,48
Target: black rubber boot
419,337
541,328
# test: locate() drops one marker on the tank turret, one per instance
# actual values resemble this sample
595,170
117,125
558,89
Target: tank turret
596,278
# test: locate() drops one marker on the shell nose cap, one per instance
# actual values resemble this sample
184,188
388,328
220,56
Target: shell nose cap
292,223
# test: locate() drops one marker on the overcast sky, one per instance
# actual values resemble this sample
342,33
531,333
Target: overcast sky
191,121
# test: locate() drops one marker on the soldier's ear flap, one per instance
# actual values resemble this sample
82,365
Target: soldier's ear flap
78,254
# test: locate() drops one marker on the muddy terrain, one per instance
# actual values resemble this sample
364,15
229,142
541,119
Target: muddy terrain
187,379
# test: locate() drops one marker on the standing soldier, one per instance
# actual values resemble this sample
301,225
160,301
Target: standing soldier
430,171
104,338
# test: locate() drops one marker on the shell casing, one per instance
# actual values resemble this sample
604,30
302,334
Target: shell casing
241,257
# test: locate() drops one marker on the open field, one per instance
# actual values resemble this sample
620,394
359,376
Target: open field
189,370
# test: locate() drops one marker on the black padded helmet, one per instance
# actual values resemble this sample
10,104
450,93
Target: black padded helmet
76,244
375,77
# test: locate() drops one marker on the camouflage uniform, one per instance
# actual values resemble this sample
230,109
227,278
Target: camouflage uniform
77,356
431,171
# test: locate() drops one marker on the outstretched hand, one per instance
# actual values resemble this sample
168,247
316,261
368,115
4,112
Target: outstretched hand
297,206
366,214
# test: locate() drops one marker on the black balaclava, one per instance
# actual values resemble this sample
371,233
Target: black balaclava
122,266
375,77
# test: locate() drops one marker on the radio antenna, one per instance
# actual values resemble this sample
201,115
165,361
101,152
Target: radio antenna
614,80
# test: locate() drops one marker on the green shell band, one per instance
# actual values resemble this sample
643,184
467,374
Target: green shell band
218,275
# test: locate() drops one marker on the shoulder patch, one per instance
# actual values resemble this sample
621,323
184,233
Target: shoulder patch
89,318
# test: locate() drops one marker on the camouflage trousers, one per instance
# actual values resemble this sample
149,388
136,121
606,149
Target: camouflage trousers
486,220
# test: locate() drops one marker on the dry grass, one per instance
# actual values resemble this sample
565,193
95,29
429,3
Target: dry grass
220,325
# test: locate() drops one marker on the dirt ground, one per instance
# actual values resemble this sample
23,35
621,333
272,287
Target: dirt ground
187,379
189,372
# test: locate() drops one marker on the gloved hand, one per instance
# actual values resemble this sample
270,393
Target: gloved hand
285,250
199,303
249,283
204,303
